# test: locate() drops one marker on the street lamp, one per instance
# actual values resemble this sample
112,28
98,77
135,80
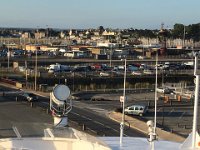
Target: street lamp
36,69
8,54
124,99
111,55
26,71
183,37
153,133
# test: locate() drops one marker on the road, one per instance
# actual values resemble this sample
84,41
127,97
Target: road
94,119
172,116
91,115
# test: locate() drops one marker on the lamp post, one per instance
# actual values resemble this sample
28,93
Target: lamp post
153,135
35,70
36,59
124,99
26,73
183,36
111,55
8,54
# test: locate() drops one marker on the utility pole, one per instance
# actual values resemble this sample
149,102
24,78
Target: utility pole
111,56
124,99
36,65
36,69
8,54
184,36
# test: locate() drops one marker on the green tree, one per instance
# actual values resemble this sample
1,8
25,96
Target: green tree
193,32
178,31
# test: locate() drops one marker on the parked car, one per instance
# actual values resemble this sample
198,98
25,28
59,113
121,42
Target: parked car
137,73
141,57
136,110
104,74
148,72
163,90
30,97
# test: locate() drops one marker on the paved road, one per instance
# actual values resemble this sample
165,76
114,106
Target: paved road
98,122
176,117
94,119
92,114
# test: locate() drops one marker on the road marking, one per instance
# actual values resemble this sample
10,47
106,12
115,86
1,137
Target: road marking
97,122
86,118
159,110
97,109
75,113
182,114
170,111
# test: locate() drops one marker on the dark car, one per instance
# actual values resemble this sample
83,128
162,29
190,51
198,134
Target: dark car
30,97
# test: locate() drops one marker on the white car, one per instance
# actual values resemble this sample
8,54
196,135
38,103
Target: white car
138,73
163,90
148,72
104,74
141,57
136,110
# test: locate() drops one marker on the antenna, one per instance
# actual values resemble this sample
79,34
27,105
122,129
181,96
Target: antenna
194,129
193,140
60,104
150,124
156,86
124,99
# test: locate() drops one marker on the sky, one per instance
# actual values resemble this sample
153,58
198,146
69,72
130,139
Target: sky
82,14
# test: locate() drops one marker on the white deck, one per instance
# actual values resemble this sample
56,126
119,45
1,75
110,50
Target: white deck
71,139
133,143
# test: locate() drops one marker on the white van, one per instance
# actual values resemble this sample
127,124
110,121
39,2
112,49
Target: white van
136,110
163,90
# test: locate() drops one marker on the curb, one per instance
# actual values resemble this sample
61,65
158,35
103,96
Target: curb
162,134
134,127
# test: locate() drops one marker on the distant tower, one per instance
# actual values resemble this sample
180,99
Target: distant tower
162,39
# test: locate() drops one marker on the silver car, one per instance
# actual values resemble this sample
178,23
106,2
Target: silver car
136,110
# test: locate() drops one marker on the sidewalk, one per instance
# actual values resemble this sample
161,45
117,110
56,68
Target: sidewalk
142,127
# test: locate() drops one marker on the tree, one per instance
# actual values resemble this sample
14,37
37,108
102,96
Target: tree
178,31
193,32
101,30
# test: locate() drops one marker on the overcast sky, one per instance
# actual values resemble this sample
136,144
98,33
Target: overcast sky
140,14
